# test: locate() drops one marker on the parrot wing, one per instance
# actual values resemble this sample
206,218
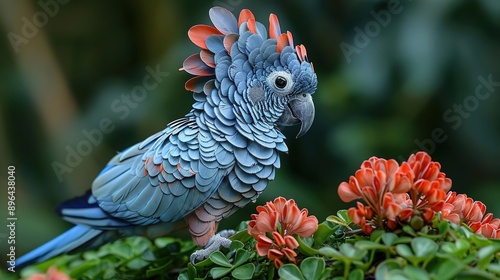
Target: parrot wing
161,179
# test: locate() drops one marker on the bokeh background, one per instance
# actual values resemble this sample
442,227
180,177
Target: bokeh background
388,86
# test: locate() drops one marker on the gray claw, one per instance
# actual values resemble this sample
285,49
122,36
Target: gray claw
221,239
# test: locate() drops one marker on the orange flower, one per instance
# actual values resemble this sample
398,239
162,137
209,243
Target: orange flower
375,178
460,208
473,210
280,219
379,182
488,226
52,274
395,193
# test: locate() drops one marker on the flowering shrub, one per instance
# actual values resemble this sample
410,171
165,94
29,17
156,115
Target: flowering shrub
281,219
406,224
411,193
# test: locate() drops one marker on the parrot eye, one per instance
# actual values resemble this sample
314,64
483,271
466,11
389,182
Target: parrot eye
281,82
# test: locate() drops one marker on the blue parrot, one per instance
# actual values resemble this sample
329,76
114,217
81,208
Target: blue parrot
216,159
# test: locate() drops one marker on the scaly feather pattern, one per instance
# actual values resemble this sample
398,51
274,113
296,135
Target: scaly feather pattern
218,157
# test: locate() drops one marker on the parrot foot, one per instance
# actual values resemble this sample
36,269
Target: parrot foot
217,241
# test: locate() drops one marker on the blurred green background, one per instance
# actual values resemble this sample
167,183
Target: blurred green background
394,77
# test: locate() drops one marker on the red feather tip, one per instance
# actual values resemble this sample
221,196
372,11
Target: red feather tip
228,42
207,57
196,66
252,26
281,42
245,15
274,26
198,34
290,38
301,52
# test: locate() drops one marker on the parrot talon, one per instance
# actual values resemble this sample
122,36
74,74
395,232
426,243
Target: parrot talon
217,241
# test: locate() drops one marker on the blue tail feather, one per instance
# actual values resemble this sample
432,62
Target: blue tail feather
64,243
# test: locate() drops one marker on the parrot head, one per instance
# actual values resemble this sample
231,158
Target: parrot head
260,76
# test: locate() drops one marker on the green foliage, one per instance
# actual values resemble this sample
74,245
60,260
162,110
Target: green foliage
133,257
337,251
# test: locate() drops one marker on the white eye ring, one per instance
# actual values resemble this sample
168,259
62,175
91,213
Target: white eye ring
280,81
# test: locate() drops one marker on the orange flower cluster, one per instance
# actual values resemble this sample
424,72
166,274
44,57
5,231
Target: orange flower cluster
381,184
460,208
395,194
274,226
52,274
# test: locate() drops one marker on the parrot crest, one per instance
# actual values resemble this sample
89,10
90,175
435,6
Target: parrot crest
250,79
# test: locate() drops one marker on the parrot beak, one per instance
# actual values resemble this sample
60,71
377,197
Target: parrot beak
300,109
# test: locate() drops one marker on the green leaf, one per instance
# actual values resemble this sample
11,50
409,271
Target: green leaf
191,270
343,214
424,247
304,248
159,270
241,236
416,273
459,248
137,263
290,272
244,272
479,240
183,275
485,255
121,249
384,268
312,268
389,238
368,245
443,227
338,222
164,241
462,245
138,245
79,271
235,245
204,263
449,248
330,252
445,268
218,272
218,258
494,267
409,230
356,274
341,219
187,247
403,240
376,234
349,251
404,251
322,234
476,274
241,257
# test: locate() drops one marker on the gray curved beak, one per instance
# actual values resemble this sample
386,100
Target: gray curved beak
300,109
